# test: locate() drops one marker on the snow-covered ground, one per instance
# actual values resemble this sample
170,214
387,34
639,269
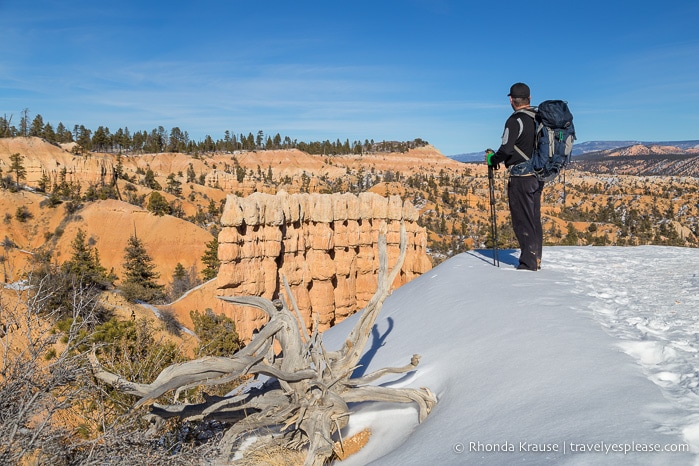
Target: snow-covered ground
592,360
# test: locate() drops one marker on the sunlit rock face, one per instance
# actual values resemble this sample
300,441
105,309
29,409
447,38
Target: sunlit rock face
325,245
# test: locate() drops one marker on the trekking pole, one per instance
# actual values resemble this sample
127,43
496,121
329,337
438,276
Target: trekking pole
493,216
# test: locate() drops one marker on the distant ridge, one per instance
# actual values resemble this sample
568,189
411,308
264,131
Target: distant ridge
596,146
591,146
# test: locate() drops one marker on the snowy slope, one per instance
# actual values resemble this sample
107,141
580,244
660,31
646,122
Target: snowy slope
597,351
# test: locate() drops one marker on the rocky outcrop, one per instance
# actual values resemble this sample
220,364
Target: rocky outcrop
325,245
39,158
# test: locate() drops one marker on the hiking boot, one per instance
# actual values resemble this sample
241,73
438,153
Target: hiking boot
525,267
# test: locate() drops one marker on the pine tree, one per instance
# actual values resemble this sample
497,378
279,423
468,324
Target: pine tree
211,260
44,183
18,167
37,127
150,181
158,204
85,263
140,275
213,210
182,281
191,174
174,186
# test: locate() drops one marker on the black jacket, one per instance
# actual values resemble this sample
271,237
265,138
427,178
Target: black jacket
520,130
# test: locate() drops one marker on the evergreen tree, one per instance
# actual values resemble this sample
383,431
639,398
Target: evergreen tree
174,186
191,174
181,282
140,275
158,204
18,167
83,137
211,260
150,181
239,173
63,134
119,169
48,133
85,263
213,210
101,140
44,183
37,127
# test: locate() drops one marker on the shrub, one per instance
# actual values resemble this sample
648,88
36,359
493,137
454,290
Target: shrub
22,214
217,335
158,205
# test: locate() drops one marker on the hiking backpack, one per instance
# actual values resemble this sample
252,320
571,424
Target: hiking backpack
555,134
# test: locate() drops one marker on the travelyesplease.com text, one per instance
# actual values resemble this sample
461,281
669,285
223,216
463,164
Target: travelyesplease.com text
569,447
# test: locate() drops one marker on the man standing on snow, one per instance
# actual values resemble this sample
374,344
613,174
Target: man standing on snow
523,187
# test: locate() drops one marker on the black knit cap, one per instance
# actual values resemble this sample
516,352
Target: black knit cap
519,90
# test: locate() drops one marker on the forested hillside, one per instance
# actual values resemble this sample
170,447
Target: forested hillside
451,195
176,140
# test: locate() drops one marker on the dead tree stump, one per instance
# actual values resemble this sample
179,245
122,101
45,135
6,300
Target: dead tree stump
308,403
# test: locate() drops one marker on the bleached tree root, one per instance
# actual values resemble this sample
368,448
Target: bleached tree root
306,397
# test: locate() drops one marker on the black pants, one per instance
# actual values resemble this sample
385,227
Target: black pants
524,195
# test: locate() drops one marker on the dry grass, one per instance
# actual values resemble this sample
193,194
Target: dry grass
272,456
351,445
283,456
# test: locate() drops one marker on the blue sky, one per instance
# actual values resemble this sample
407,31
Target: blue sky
439,70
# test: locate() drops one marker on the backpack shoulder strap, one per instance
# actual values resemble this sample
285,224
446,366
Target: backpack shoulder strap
530,111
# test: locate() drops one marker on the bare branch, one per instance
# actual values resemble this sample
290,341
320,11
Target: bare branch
414,361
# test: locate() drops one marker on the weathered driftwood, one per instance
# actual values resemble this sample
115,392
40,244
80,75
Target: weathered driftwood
307,403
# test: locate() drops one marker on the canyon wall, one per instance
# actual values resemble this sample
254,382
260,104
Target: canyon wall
325,245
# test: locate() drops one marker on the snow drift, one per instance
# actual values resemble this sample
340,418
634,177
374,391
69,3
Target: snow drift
592,360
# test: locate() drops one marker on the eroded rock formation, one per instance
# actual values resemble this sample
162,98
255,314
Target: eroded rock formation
325,245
